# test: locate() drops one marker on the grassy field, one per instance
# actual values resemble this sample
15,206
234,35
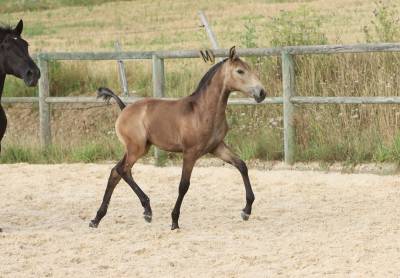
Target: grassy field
351,133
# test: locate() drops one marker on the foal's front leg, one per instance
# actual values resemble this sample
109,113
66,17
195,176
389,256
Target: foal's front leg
223,152
188,163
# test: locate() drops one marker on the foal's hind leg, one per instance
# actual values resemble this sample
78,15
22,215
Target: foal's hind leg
112,183
133,154
223,152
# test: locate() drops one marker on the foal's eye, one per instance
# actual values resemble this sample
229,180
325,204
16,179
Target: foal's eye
240,71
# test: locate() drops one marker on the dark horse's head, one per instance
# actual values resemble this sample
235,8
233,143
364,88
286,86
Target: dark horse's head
14,55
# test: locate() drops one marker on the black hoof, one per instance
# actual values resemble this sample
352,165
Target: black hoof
93,224
174,226
147,217
1,230
245,216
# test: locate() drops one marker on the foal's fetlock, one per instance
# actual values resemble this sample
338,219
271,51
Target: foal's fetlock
93,223
174,226
175,217
147,214
245,214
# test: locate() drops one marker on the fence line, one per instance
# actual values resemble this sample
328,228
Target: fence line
294,50
288,100
231,101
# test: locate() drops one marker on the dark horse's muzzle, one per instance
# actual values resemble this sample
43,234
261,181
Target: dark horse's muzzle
31,75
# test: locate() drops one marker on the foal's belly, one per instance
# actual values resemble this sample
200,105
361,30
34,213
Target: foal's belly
177,139
166,136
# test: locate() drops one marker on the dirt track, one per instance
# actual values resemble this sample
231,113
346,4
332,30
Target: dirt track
303,224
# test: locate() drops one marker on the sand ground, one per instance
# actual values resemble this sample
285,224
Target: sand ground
304,224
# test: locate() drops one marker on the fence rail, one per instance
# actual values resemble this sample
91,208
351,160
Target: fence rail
288,99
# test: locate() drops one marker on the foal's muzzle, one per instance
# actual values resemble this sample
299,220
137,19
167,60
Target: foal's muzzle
259,94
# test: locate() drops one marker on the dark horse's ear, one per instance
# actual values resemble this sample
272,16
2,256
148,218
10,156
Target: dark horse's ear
232,54
19,27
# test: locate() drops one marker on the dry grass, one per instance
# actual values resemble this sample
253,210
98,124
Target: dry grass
154,25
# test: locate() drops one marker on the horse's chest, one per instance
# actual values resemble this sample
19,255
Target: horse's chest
205,134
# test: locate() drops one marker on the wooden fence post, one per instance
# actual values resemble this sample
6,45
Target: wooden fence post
158,89
288,81
44,107
122,73
158,76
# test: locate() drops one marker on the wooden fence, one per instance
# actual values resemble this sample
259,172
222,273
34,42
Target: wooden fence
288,99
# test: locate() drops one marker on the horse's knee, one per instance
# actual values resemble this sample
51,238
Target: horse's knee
114,175
121,168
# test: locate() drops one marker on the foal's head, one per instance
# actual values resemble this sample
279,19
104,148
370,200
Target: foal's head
240,77
14,55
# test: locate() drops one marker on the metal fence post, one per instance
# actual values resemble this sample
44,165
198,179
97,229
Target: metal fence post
44,107
288,81
158,89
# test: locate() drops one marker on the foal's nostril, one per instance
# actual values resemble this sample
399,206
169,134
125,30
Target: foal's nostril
263,94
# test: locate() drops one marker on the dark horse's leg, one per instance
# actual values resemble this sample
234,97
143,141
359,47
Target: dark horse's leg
223,152
3,124
188,164
112,183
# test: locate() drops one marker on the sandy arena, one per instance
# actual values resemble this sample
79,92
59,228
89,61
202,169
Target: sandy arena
304,224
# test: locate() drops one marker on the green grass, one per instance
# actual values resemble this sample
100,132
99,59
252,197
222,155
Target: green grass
87,152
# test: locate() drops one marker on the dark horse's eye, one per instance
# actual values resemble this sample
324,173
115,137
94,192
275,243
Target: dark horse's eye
240,71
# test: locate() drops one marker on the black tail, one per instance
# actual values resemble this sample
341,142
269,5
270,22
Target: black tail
107,94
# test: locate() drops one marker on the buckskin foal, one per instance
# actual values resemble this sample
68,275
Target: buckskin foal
194,125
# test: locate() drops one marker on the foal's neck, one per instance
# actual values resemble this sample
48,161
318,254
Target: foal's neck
215,97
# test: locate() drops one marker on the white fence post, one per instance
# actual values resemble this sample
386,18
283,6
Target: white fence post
44,107
288,107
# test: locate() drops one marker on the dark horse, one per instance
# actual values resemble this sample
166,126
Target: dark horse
194,125
14,60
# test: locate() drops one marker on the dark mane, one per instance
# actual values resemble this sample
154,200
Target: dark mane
5,29
206,79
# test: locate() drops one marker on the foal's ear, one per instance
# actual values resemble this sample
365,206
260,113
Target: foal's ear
19,27
232,54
